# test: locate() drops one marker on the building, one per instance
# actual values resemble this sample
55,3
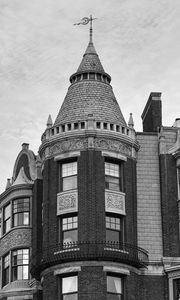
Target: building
95,215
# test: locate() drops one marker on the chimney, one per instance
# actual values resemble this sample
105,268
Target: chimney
152,114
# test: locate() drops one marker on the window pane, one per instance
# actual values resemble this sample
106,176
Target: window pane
70,236
112,183
114,285
69,284
70,297
112,169
114,297
69,169
112,236
7,212
69,183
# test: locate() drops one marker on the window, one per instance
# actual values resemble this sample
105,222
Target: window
114,229
85,76
69,288
20,264
113,176
6,267
114,288
21,209
176,289
69,176
7,218
69,227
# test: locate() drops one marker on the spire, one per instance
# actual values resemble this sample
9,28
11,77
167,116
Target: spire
131,122
49,122
8,185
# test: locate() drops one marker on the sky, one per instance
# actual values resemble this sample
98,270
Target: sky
138,42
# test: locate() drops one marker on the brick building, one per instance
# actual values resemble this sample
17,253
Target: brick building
95,215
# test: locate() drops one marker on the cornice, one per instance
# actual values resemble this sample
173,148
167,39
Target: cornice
89,139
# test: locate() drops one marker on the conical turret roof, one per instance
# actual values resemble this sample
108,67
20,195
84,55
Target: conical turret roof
90,61
90,92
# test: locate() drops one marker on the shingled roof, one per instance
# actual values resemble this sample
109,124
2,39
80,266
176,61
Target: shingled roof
90,96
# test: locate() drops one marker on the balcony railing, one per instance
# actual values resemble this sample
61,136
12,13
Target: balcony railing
91,250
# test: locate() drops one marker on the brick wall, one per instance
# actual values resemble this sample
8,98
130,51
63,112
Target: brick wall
91,200
50,220
92,283
50,287
131,201
153,288
148,196
169,206
152,114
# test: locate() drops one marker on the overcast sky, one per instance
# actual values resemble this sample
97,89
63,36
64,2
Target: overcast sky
138,42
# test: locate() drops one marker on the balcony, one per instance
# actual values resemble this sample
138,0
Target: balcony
81,251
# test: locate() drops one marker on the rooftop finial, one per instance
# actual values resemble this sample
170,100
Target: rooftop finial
85,21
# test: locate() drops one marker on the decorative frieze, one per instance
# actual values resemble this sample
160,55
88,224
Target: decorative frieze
112,145
115,202
90,142
67,202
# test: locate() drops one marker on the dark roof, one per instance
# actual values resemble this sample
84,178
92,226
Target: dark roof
90,96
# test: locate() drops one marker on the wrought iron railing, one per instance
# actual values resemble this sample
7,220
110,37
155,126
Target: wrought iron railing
90,250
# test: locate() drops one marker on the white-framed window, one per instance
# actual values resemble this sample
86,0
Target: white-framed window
114,287
68,176
113,176
69,287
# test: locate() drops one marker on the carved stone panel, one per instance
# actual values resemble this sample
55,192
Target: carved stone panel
115,202
67,202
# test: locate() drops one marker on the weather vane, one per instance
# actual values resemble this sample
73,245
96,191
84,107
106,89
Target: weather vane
85,21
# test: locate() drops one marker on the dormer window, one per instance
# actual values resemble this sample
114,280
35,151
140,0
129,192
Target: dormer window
98,76
85,76
78,77
69,126
91,75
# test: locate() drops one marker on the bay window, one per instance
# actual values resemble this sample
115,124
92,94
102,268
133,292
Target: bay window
15,266
6,269
20,264
21,212
7,218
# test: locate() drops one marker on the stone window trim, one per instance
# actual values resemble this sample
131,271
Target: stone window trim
15,265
